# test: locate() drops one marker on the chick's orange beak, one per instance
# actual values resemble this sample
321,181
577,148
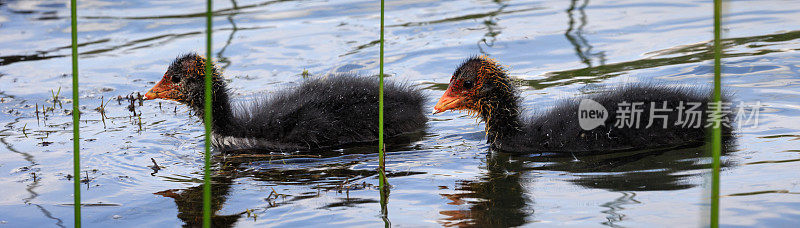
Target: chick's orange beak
449,101
164,89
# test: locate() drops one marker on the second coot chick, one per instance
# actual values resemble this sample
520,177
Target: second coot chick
321,113
482,87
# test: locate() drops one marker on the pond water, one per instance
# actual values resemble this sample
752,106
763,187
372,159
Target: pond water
444,177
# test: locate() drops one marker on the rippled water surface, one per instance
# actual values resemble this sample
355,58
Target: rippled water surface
445,177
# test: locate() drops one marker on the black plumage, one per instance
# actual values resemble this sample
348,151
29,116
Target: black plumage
324,113
482,87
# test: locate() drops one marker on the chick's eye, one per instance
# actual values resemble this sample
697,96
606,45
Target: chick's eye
175,79
467,85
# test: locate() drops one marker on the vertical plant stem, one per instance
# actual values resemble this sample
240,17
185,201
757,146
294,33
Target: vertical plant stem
207,122
384,184
76,116
716,144
381,147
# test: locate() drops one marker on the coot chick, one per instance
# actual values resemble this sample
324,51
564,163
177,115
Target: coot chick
482,87
321,113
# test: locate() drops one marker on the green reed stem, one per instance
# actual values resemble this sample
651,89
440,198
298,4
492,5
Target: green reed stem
383,183
716,138
207,121
381,147
76,116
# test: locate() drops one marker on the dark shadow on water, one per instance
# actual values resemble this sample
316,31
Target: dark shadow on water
404,142
190,203
338,179
498,199
322,172
495,199
647,170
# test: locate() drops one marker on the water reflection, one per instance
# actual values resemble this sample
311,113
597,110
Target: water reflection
575,36
220,57
190,203
616,206
337,178
491,14
695,53
498,199
504,192
492,29
650,170
684,54
323,172
94,48
217,12
385,207
35,181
